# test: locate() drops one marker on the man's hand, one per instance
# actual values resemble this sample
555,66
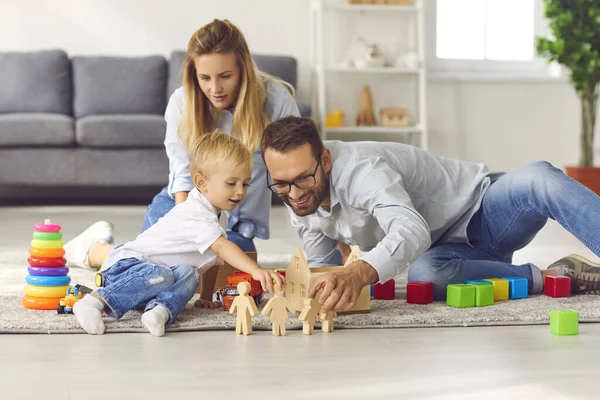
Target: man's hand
341,289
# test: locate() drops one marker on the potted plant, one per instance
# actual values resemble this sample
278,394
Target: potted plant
575,25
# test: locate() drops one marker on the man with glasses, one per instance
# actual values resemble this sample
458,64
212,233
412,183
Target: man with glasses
450,220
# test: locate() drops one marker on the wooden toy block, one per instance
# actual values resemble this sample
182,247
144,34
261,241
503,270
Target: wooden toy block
419,292
517,287
557,286
460,295
500,288
484,293
564,322
385,291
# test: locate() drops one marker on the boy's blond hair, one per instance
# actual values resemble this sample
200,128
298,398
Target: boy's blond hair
217,147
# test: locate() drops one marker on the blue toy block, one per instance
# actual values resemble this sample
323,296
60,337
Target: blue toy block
372,290
479,281
518,287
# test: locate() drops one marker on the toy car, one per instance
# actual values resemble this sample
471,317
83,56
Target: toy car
73,295
228,293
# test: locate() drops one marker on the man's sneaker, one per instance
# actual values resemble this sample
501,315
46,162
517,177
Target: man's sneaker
76,251
584,274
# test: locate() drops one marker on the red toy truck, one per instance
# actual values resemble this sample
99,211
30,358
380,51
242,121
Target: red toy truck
229,292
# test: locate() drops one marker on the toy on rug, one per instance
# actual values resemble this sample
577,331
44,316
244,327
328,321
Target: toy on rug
309,315
557,286
419,292
366,115
385,291
246,309
484,292
47,281
299,278
73,295
231,289
277,310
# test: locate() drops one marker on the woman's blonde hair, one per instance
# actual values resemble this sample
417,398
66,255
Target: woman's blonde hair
199,115
217,147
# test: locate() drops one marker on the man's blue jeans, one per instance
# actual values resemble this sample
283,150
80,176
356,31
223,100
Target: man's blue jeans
130,284
162,203
513,211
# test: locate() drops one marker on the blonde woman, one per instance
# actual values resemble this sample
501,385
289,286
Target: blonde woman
222,89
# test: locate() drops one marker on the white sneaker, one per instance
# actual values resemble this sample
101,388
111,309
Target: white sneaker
76,250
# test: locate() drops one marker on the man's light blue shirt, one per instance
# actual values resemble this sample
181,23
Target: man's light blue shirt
393,201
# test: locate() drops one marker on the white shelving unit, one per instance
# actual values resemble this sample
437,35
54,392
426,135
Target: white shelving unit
323,14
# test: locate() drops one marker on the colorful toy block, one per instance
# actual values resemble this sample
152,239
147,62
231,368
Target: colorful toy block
419,292
557,286
500,288
518,287
564,322
460,295
484,293
479,281
385,291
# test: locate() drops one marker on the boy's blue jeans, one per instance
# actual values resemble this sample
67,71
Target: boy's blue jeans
131,284
162,203
513,211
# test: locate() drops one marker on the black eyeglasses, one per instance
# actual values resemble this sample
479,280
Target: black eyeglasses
302,182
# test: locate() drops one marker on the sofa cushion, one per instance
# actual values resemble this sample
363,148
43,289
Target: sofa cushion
121,131
37,82
119,85
36,130
283,67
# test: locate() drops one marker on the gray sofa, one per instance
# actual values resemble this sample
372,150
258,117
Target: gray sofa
91,127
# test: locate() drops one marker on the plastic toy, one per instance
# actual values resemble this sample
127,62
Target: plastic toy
419,292
334,119
299,277
277,310
65,305
47,281
246,308
230,291
484,293
309,315
564,322
460,295
557,286
518,288
385,291
500,288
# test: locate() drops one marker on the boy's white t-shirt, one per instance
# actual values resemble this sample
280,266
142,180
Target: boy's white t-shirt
182,237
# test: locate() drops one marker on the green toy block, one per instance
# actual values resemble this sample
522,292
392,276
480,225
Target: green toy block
484,294
460,295
564,322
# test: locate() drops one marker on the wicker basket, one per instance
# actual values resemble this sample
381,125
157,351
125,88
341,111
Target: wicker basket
386,2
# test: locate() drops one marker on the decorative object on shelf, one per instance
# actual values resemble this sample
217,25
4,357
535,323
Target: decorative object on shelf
573,43
387,2
372,59
334,119
366,115
408,60
394,117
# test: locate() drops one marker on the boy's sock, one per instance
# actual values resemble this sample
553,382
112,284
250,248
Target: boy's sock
88,313
155,320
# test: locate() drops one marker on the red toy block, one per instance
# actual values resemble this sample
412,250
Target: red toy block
557,286
385,291
419,292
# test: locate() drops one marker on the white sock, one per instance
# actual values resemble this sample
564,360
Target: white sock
155,320
87,311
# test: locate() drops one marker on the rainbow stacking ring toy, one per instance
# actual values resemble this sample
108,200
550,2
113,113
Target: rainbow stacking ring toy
47,281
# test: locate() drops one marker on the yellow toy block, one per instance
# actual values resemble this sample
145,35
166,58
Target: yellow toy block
500,288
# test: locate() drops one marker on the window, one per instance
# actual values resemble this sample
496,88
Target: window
302,290
485,35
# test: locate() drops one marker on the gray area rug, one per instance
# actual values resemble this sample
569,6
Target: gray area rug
14,318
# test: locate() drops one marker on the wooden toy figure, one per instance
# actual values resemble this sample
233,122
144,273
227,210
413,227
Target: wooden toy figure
246,308
309,315
327,321
277,309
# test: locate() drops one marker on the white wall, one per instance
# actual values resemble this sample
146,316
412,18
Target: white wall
502,123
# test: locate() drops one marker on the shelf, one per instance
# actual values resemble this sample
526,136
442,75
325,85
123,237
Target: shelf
374,129
370,7
375,70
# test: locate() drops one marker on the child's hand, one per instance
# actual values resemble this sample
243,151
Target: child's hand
266,278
